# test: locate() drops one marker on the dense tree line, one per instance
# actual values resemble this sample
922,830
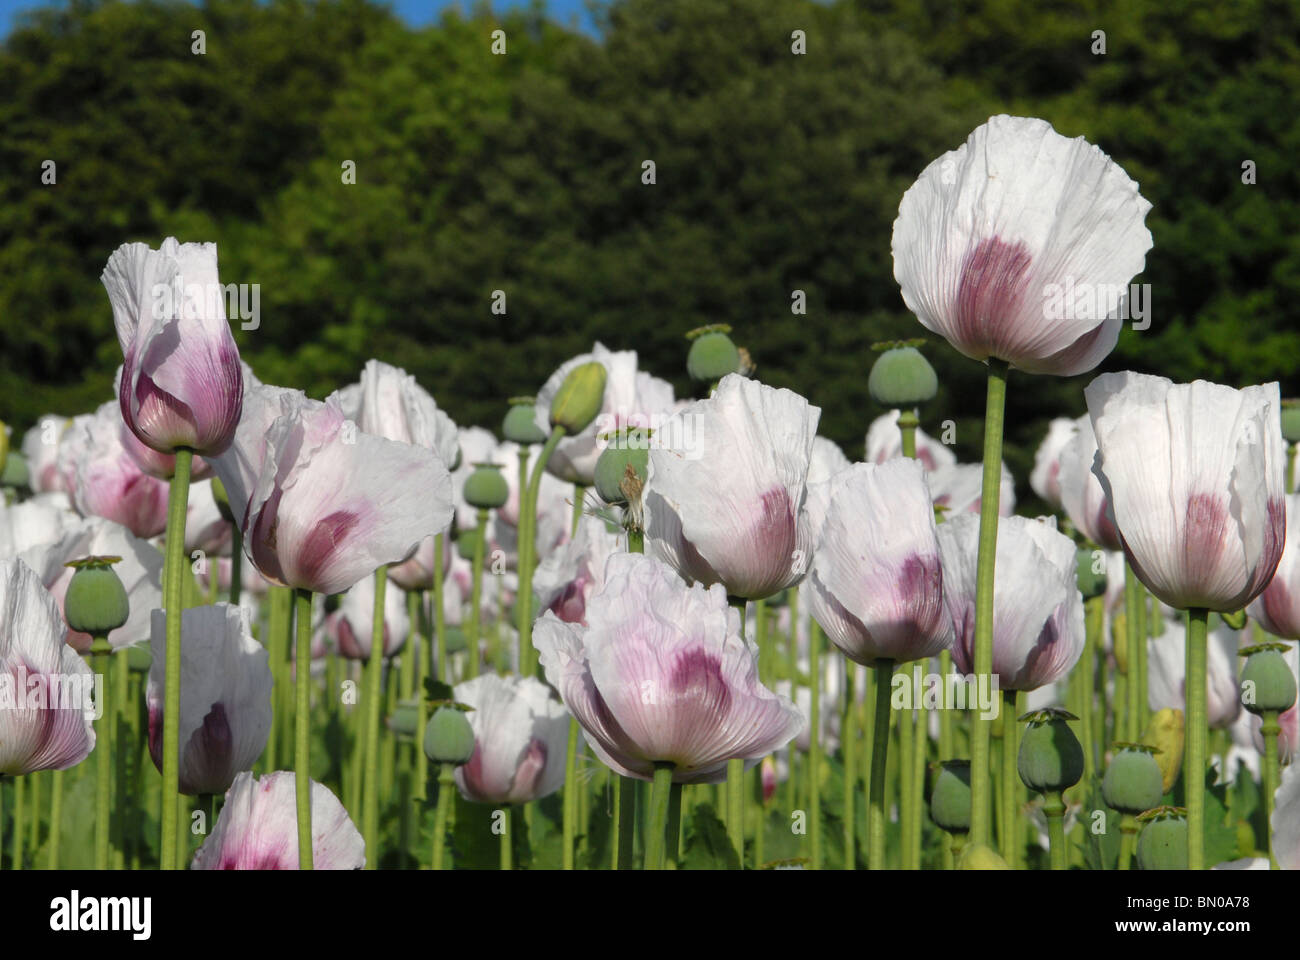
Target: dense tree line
774,171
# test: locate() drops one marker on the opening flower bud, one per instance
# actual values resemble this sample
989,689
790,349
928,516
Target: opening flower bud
486,488
902,377
712,356
520,425
466,540
449,738
1165,732
1133,782
1266,681
1050,758
626,449
977,856
96,601
950,798
1162,845
579,398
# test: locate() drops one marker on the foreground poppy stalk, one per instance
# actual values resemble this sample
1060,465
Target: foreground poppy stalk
181,393
986,243
1194,476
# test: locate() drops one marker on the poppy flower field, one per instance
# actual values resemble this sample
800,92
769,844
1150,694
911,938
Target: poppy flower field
627,627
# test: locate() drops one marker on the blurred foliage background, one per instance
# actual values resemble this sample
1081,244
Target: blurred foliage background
477,172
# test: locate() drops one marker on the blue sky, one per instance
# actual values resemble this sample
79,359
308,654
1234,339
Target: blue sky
413,11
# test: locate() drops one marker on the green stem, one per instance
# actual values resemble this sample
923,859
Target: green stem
1095,615
815,741
302,730
673,840
792,668
1139,658
1054,807
1010,778
524,598
849,749
945,713
1290,468
736,777
446,784
236,563
626,821
121,701
579,492
16,851
907,424
884,670
636,541
173,598
990,495
1133,638
424,639
439,617
920,755
56,817
1194,765
99,651
907,807
507,839
476,596
1270,728
656,839
570,798
1128,827
374,697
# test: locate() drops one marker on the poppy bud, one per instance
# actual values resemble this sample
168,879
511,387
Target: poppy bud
627,449
580,397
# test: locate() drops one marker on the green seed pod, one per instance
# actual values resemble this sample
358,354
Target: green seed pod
223,501
466,541
96,601
1091,583
139,658
712,356
1162,844
950,796
902,377
626,449
456,640
15,473
405,718
520,425
1050,758
579,398
486,488
1266,680
976,856
1133,782
1291,421
449,738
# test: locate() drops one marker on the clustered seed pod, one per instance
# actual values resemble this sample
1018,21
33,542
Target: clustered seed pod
712,355
1051,758
486,488
449,738
96,601
902,377
1162,845
520,423
950,797
625,450
1266,680
1133,782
